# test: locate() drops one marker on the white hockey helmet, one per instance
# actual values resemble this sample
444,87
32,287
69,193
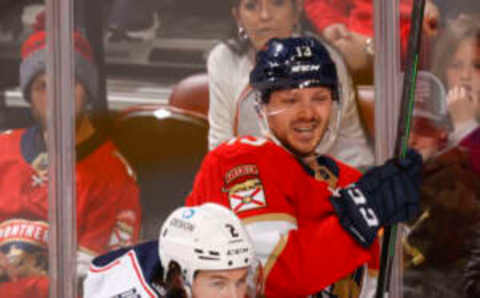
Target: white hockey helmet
205,237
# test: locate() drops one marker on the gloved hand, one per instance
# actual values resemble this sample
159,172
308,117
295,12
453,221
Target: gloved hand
385,195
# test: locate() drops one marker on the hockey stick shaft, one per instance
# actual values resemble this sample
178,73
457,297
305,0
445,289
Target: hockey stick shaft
403,132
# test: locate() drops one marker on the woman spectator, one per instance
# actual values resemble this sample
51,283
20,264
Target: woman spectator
232,105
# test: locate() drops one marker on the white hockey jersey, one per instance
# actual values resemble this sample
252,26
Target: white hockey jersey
126,273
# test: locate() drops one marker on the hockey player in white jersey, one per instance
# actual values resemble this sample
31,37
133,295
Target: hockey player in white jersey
202,252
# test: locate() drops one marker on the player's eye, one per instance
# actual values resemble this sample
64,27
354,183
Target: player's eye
218,284
321,98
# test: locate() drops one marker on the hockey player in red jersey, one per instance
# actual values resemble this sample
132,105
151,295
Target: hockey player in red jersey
108,209
313,219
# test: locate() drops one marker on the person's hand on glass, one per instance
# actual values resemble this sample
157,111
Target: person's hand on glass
463,105
335,32
357,50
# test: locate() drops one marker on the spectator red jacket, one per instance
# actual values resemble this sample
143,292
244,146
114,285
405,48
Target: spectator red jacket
357,15
471,144
108,209
286,210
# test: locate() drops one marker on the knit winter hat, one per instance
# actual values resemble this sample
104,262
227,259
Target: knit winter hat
34,51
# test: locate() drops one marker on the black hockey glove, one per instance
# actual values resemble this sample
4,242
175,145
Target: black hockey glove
385,195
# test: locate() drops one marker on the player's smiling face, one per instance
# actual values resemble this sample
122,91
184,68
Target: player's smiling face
299,117
266,19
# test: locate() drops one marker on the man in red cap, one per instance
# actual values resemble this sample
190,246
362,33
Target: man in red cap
108,208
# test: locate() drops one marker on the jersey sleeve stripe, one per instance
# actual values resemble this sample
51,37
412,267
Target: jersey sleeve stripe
274,255
96,269
139,274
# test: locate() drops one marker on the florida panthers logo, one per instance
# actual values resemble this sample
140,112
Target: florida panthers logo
247,195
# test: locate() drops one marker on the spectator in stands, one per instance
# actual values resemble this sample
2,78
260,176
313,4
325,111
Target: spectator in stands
232,104
431,124
348,24
456,62
108,209
450,202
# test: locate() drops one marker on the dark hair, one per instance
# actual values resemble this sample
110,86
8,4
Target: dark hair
173,283
240,46
463,27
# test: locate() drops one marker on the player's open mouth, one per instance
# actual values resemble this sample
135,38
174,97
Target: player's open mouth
304,129
305,133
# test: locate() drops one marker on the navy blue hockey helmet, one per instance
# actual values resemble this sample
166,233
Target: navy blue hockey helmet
299,62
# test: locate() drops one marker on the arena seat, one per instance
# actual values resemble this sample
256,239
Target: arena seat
191,94
165,146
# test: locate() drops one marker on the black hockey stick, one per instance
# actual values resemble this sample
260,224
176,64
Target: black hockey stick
403,132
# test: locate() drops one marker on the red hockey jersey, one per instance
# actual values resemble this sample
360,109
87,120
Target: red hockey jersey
108,209
286,210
